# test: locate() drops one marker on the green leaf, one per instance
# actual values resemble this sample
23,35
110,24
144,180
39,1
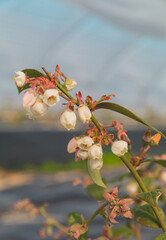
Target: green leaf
147,182
158,161
145,215
123,232
96,191
161,237
150,197
75,218
95,175
118,108
30,73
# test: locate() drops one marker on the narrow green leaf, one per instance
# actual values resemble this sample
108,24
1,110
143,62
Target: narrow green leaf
95,175
118,108
161,237
30,73
158,161
150,197
145,216
96,191
123,232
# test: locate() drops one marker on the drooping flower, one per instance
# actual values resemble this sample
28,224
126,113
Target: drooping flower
72,145
162,176
131,188
20,78
84,113
85,142
119,148
29,98
96,164
37,110
70,84
51,97
82,155
68,119
95,152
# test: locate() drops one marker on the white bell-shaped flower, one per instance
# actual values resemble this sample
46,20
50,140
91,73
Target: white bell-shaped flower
68,119
70,84
20,78
82,155
84,113
85,142
96,164
37,110
95,152
51,97
119,148
131,188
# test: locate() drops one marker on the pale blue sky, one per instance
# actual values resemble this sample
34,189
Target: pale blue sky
107,46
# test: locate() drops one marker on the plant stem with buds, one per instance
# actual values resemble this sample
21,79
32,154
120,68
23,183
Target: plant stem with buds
125,161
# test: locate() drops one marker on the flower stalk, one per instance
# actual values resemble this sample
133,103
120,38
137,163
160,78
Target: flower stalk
123,158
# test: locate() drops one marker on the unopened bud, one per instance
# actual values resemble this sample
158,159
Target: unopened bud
84,113
163,176
70,84
155,139
72,145
29,98
20,78
131,188
146,138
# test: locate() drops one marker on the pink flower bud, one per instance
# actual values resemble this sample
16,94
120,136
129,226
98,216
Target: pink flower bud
72,145
29,98
84,113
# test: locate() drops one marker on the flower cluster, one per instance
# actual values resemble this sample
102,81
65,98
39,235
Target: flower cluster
85,148
117,206
44,92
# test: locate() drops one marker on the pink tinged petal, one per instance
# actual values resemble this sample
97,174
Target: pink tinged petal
127,214
29,98
126,201
108,197
112,220
77,181
72,145
114,191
